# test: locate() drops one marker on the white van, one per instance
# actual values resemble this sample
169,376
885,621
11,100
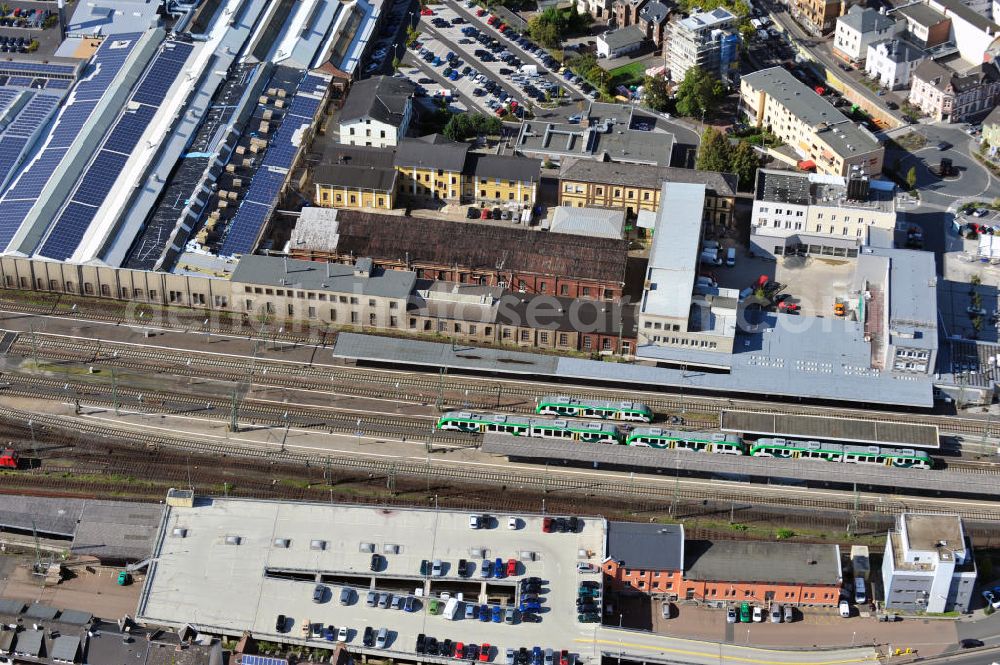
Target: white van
451,609
731,257
709,245
711,257
859,591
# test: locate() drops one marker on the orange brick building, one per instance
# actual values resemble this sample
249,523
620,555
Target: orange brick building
654,559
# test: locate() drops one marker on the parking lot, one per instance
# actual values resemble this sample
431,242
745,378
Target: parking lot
502,66
241,564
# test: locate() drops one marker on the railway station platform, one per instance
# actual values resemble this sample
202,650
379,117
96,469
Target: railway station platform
747,375
831,429
656,461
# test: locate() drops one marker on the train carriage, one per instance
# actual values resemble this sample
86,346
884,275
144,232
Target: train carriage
590,432
835,452
563,406
709,442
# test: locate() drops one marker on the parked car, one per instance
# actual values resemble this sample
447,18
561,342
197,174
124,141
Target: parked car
731,615
279,623
369,637
845,609
776,614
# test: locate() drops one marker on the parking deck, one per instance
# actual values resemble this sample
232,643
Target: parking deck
827,428
237,564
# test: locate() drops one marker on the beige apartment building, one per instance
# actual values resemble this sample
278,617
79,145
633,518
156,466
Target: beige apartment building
821,135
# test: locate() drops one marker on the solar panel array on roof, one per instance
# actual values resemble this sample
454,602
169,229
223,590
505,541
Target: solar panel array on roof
58,84
248,659
14,67
74,219
107,61
28,119
262,194
19,80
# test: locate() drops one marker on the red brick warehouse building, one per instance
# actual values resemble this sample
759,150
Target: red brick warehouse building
521,260
655,559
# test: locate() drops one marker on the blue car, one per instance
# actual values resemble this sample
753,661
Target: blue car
410,604
449,56
497,614
470,611
536,656
529,606
329,634
484,569
453,76
498,571
436,61
484,613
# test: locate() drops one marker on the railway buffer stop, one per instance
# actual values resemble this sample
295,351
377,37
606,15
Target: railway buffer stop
862,431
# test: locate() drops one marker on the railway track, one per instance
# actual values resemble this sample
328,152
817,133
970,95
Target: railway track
317,418
520,479
464,392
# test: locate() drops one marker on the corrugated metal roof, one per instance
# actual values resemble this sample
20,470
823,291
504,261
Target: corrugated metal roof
828,428
759,562
636,545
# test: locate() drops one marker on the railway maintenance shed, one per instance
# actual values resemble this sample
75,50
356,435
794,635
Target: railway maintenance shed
829,428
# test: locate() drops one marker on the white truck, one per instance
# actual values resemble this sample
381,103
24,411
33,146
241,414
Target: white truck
451,609
530,70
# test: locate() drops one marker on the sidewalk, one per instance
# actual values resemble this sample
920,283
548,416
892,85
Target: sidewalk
814,627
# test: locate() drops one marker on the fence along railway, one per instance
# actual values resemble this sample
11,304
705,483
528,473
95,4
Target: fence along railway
467,392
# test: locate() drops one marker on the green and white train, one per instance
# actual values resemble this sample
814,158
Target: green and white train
707,442
704,442
577,430
563,406
906,458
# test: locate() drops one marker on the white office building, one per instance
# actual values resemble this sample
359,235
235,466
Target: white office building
928,564
860,27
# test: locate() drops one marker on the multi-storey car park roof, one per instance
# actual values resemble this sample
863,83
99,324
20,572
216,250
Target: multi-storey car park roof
29,203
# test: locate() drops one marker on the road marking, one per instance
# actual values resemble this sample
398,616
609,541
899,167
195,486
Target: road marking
716,654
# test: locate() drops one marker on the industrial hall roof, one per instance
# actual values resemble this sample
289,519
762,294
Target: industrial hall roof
774,563
408,240
382,98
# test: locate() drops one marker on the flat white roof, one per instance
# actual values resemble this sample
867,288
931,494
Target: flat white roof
206,577
673,258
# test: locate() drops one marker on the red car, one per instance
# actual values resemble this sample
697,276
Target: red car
459,650
565,658
426,12
480,12
491,20
502,27
790,307
547,525
511,567
484,653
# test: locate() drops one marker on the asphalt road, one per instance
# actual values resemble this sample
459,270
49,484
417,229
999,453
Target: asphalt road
819,50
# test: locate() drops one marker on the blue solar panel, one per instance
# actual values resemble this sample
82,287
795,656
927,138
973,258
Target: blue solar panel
10,153
58,84
65,236
97,181
128,130
265,186
32,180
22,67
19,80
32,115
162,73
248,659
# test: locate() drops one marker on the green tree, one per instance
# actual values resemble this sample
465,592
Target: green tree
657,95
743,161
715,152
698,93
466,125
911,177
